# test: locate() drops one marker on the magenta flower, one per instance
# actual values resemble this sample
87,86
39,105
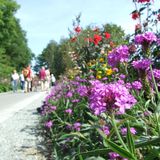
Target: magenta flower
147,37
141,64
106,130
69,94
77,126
75,100
82,90
115,156
132,130
120,54
110,97
156,73
69,111
139,39
128,85
48,124
137,85
122,76
53,108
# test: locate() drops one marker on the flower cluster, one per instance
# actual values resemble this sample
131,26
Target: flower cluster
120,54
137,85
141,64
112,97
146,38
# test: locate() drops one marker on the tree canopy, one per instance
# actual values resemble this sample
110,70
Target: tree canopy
14,50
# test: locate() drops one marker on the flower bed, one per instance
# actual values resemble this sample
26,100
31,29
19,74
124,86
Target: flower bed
111,110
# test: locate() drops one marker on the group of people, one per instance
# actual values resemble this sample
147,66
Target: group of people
30,82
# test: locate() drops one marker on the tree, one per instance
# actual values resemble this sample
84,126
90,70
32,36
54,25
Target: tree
14,50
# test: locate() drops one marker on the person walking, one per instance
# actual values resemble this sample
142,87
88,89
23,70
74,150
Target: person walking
42,76
48,79
22,81
28,78
53,79
14,79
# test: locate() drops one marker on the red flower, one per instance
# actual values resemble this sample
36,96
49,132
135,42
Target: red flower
73,39
135,15
97,39
77,29
107,35
143,1
158,17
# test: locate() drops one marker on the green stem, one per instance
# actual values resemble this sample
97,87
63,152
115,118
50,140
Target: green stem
158,126
117,132
154,82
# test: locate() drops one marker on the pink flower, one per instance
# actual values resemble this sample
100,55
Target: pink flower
53,108
69,111
106,130
77,126
48,124
132,130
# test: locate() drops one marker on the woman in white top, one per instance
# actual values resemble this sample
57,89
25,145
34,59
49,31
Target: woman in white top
15,79
22,81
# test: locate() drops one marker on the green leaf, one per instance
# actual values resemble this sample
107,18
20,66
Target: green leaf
95,158
72,134
130,140
153,154
141,9
152,141
95,152
122,152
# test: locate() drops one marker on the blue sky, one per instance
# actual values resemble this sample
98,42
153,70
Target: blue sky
46,20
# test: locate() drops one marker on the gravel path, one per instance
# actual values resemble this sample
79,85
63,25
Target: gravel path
19,138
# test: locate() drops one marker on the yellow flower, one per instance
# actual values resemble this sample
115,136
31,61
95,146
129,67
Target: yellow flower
99,72
101,60
98,76
89,64
104,65
109,72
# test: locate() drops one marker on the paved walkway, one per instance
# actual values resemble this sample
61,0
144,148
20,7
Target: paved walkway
19,121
